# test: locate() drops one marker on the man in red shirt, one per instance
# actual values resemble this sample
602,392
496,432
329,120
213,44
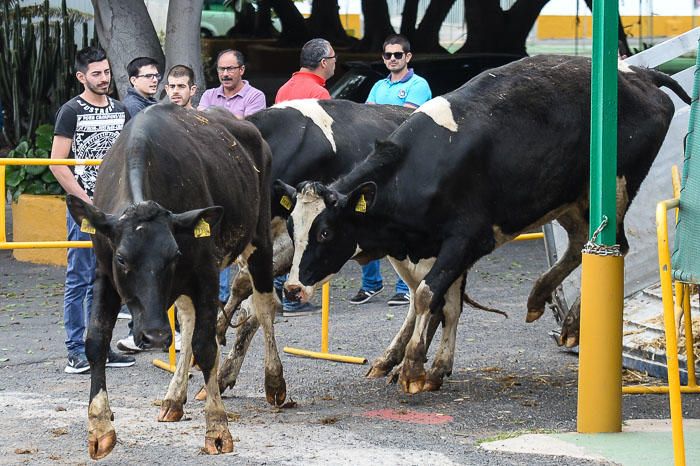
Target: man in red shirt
317,62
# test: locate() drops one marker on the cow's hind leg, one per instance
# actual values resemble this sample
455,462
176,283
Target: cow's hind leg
264,306
240,290
101,434
171,408
231,366
576,225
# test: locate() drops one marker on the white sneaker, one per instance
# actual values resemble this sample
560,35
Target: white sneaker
128,345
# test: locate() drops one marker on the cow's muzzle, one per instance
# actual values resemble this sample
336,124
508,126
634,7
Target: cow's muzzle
154,338
297,292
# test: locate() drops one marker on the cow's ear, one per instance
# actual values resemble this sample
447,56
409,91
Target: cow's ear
284,196
90,218
362,198
197,222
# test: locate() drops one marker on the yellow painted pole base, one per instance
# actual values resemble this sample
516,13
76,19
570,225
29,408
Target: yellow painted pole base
170,365
327,356
600,353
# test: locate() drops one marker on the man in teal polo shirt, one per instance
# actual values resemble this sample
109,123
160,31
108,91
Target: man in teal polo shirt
402,87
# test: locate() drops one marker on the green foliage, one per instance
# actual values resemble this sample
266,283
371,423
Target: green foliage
32,179
36,65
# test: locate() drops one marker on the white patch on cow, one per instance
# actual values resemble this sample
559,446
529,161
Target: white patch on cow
309,205
439,110
624,67
140,227
311,109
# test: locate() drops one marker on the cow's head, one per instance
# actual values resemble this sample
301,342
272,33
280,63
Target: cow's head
144,254
322,226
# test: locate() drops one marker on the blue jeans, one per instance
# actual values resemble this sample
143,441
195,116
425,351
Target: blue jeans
77,294
372,278
225,284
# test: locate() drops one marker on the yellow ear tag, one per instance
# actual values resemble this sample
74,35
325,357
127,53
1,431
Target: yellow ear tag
86,227
202,229
361,205
286,202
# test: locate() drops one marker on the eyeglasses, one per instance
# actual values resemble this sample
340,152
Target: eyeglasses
329,58
157,76
397,55
223,69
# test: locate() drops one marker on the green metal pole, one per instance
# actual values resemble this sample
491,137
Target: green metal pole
604,119
602,276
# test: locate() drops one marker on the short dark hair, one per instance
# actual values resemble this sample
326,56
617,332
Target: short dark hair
313,52
132,69
239,56
179,71
88,55
397,39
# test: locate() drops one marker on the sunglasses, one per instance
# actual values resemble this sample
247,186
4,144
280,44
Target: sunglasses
397,55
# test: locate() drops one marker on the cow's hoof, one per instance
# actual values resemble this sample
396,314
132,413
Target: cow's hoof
170,411
380,368
571,341
412,386
275,390
99,447
218,442
533,315
201,395
432,383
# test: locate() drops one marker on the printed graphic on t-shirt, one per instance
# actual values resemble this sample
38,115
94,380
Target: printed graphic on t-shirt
96,130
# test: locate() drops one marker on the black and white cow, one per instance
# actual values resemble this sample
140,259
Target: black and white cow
180,194
464,174
310,140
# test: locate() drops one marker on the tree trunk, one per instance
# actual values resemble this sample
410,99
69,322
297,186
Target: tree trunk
623,46
377,26
427,36
492,30
263,20
294,30
325,22
182,41
409,19
126,32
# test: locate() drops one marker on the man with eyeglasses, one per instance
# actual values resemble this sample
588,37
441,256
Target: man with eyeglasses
235,93
144,78
402,87
317,62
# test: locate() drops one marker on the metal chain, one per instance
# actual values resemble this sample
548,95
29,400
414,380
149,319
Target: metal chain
600,249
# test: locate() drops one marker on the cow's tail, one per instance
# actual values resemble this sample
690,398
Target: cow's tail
662,79
471,302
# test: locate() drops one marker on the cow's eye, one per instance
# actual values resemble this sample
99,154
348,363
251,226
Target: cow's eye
120,260
325,235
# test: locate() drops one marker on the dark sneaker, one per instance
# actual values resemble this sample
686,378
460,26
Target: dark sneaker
77,364
303,310
399,299
363,296
119,360
128,345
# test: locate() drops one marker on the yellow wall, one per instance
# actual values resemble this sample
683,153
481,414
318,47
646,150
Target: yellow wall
39,218
563,27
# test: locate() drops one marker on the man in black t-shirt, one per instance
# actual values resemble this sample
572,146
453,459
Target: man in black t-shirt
86,128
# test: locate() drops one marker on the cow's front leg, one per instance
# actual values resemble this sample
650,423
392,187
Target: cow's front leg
171,408
101,434
206,353
444,357
456,256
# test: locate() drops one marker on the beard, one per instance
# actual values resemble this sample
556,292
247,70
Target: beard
97,90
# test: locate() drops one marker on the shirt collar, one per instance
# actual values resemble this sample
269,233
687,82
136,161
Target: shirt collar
313,76
408,76
244,90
